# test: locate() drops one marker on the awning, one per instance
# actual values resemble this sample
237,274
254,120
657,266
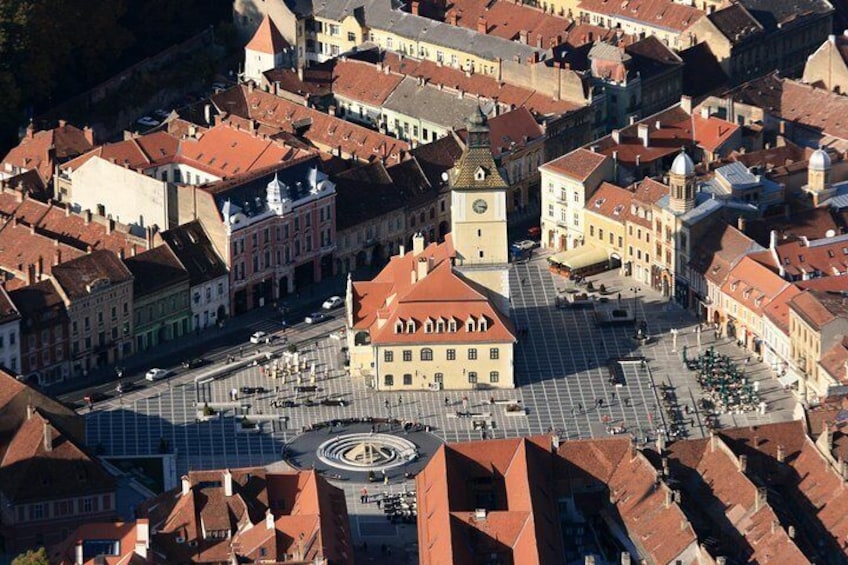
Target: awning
788,380
580,257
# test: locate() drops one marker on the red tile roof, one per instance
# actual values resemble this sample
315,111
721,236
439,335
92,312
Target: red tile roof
819,308
34,469
328,133
22,247
364,82
664,14
827,256
43,150
778,309
721,247
508,21
611,201
833,361
393,297
268,39
140,152
712,133
579,164
125,533
752,285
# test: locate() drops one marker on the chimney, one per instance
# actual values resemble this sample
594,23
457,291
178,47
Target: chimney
453,18
401,250
773,239
721,560
423,267
589,560
540,43
269,519
642,130
88,133
40,266
417,243
522,36
30,131
686,104
30,411
669,497
762,498
740,224
57,257
186,484
142,537
31,274
781,454
228,483
790,531
742,463
482,25
79,558
616,136
625,558
110,225
48,437
413,9
832,39
87,216
825,441
705,112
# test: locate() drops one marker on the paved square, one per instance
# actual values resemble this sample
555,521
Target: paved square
562,371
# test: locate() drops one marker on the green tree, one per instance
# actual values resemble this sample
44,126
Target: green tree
38,557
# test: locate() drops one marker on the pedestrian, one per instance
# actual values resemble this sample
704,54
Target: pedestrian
627,401
400,400
363,495
385,479
241,351
612,397
387,404
492,400
579,407
379,503
447,401
619,298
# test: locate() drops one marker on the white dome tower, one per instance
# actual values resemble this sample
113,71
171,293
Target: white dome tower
681,181
818,171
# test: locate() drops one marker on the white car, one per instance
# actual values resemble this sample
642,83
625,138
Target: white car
332,302
525,245
259,337
155,374
147,121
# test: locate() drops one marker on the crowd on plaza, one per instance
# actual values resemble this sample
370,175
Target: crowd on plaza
726,387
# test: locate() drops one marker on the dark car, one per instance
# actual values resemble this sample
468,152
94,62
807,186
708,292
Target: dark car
194,363
334,402
253,390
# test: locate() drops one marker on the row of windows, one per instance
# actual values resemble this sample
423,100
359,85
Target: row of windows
426,354
42,510
494,377
87,321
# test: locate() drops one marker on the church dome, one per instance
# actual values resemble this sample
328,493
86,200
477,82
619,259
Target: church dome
819,160
682,165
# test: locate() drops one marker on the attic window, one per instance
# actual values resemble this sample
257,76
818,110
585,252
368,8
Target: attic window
786,260
617,210
399,327
734,285
747,293
483,324
428,326
600,202
801,258
451,325
440,325
480,174
410,327
469,324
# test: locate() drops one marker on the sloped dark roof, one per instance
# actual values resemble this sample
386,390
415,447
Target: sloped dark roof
155,270
192,247
76,275
703,73
364,193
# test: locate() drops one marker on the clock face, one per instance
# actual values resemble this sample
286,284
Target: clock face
479,206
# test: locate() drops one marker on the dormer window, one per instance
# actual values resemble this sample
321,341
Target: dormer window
480,174
469,324
483,324
451,325
410,327
440,325
428,326
734,285
399,327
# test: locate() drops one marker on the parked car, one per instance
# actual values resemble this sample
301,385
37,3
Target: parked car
194,363
124,387
253,390
535,232
332,302
260,337
316,318
147,121
334,402
155,374
525,244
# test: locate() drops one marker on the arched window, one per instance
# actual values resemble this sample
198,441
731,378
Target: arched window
426,354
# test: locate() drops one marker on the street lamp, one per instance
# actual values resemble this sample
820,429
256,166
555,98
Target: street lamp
636,290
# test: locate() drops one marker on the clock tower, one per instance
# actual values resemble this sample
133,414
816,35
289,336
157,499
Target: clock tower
478,214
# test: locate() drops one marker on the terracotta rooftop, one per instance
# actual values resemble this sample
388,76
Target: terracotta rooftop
29,255
611,201
140,152
43,463
511,131
778,309
126,534
721,247
268,39
819,308
271,511
363,82
736,24
815,223
752,285
662,14
43,150
317,79
579,164
821,257
328,133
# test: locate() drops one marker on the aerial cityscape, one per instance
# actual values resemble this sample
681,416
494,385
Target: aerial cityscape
479,282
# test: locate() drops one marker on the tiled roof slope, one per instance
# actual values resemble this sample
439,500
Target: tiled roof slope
328,133
42,463
579,164
155,270
195,251
42,151
719,250
267,39
664,14
76,275
270,511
